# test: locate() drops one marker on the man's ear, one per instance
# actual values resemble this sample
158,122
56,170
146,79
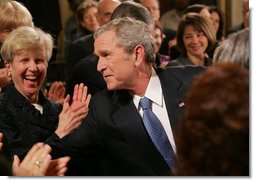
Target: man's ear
139,53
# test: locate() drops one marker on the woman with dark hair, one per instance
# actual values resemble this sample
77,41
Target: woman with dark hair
218,22
195,38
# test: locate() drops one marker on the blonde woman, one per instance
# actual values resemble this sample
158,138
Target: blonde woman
26,116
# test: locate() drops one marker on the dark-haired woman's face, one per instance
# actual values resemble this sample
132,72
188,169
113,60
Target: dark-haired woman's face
216,20
195,41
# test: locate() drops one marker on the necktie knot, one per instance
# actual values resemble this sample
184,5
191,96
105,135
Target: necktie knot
145,103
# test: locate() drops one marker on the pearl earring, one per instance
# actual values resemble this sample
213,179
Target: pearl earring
9,73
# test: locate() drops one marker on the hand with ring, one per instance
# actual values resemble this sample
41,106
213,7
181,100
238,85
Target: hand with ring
32,164
38,162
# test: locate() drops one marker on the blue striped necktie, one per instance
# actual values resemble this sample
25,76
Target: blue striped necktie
157,132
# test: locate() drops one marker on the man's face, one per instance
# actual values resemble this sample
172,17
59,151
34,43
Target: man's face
105,10
153,8
117,67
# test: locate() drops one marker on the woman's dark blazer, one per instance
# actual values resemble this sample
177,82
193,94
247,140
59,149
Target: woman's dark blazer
184,61
22,124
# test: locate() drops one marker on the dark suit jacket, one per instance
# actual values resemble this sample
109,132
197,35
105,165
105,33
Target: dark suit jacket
85,71
78,50
114,129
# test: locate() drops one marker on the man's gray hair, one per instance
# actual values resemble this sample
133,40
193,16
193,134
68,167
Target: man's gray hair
130,33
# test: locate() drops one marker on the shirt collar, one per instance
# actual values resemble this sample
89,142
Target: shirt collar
153,91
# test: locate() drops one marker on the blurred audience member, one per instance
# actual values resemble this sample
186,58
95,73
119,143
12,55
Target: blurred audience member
168,45
172,18
153,7
87,17
12,15
201,9
245,22
83,46
213,137
158,35
71,25
218,22
227,50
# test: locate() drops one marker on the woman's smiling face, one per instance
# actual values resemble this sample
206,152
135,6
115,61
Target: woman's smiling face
28,71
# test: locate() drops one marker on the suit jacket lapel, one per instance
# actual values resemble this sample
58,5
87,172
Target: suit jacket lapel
173,96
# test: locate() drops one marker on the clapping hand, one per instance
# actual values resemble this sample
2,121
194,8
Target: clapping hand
38,162
73,115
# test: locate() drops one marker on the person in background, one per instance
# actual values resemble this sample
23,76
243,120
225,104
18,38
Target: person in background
153,6
172,18
226,51
12,15
113,128
245,22
161,60
218,22
213,137
71,26
195,37
201,9
26,116
76,51
31,167
86,15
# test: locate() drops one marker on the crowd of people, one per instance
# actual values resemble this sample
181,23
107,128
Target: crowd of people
128,108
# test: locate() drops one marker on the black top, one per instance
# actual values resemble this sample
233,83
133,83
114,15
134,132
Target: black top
22,124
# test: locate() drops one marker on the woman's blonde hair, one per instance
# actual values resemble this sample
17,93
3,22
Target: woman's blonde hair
27,38
12,15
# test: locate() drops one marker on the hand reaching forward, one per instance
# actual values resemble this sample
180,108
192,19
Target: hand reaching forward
38,162
4,77
73,115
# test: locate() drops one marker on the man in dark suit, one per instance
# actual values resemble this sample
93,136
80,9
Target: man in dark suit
85,70
114,130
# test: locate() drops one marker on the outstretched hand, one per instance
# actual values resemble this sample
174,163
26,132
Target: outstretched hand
38,162
73,115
